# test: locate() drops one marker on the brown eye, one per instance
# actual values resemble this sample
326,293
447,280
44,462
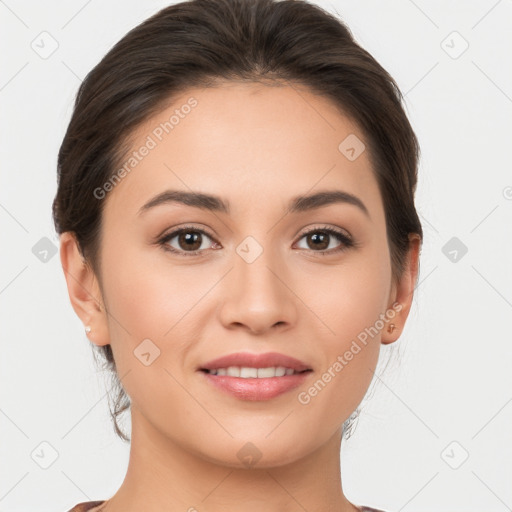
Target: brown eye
192,241
187,240
319,240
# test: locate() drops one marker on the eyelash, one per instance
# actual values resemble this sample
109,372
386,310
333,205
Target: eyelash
346,241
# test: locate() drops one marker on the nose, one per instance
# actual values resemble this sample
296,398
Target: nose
258,296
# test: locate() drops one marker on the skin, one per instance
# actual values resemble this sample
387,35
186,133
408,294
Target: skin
255,146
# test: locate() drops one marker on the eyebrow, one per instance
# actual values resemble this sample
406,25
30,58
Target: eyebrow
216,204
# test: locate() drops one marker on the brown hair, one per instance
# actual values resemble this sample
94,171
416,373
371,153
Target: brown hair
201,43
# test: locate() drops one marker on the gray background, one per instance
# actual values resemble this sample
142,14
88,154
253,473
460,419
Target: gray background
448,398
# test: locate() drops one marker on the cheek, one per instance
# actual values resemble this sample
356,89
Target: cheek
148,296
153,299
149,326
354,295
350,349
351,307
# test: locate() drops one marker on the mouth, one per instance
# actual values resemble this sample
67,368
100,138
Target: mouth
249,365
255,384
248,372
249,376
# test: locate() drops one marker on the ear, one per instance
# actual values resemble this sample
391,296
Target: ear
84,290
402,292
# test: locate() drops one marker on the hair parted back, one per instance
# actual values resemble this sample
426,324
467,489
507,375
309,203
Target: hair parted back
202,43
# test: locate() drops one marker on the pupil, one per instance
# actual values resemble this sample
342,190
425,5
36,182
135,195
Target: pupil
322,237
189,240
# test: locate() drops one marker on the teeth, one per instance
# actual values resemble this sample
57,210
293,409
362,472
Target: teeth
280,371
253,373
248,372
233,371
267,372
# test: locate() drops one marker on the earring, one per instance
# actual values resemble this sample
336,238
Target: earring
391,327
87,329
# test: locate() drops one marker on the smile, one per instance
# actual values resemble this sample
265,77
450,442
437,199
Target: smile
255,384
246,372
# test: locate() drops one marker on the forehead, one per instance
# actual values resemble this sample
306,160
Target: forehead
246,142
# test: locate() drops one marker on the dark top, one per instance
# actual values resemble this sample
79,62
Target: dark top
87,505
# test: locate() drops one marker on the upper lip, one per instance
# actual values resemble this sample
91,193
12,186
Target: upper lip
246,359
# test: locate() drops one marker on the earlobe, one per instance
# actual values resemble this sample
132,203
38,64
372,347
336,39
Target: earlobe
403,292
83,290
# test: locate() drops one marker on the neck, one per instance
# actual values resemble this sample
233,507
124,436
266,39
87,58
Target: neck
162,475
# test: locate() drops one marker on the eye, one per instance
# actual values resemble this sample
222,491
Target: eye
319,239
189,240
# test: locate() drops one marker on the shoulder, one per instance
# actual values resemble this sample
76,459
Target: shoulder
86,506
89,505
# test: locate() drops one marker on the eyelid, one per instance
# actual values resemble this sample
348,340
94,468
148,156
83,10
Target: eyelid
345,239
164,238
324,227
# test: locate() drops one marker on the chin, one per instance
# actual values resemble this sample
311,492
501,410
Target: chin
258,453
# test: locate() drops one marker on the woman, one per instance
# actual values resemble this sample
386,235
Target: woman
238,233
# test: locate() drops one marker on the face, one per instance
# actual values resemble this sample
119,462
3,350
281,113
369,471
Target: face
308,282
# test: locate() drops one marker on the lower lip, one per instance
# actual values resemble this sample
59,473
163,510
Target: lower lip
256,389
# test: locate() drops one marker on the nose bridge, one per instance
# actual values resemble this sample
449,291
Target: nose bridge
255,271
256,294
258,275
